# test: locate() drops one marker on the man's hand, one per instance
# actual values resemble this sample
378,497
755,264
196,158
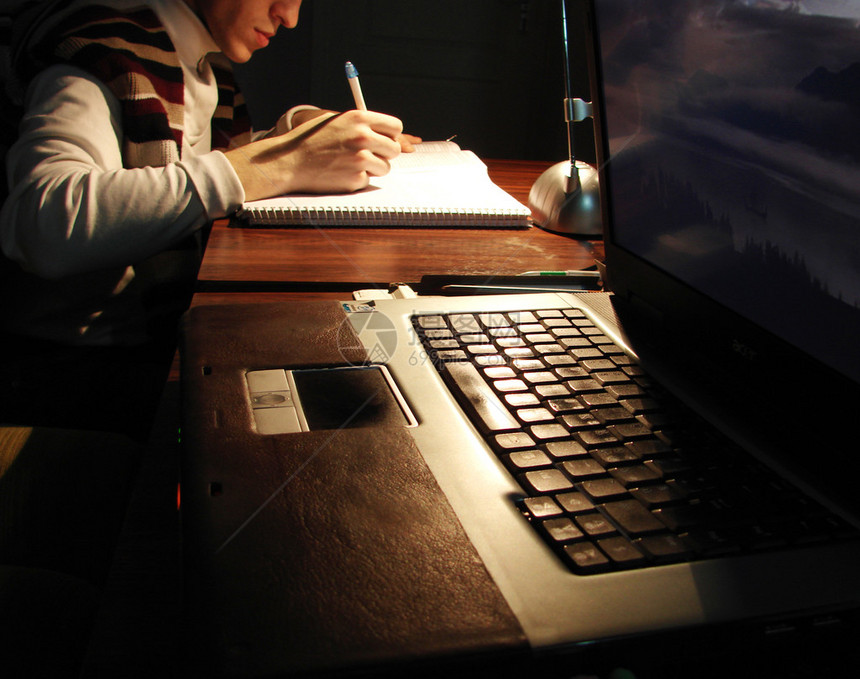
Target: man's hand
407,141
330,153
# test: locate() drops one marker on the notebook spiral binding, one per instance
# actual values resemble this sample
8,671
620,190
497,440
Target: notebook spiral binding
376,216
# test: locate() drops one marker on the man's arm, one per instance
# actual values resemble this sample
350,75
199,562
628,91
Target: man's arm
330,153
73,207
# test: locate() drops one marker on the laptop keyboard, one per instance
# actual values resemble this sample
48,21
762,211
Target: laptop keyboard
616,473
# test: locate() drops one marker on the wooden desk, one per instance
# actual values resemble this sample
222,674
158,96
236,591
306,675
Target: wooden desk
305,259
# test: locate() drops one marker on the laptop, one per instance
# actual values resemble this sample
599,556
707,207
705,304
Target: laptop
406,485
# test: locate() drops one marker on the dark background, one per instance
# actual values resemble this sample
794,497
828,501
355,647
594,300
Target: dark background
488,71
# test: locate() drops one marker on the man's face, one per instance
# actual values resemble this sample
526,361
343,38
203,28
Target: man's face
240,27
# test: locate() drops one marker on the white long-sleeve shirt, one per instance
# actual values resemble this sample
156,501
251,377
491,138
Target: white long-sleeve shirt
73,207
74,210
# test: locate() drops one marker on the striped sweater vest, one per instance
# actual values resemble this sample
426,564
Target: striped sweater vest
132,54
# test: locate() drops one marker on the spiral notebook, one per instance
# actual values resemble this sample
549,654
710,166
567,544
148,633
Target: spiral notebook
439,184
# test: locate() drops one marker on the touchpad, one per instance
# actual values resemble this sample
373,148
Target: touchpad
285,401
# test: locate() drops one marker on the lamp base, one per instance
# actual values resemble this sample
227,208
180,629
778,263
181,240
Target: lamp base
559,205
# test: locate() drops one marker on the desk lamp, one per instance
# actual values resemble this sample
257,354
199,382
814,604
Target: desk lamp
566,198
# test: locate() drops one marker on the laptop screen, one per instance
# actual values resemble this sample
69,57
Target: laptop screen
734,157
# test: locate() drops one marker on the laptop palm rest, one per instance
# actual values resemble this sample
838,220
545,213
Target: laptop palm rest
323,549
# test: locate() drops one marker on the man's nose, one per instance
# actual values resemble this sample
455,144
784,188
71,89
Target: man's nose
286,12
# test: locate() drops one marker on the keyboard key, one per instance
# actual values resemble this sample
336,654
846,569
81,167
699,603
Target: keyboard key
574,502
464,323
605,371
445,344
428,322
528,459
611,377
559,359
509,385
513,441
611,457
595,525
632,517
527,364
569,331
522,317
621,551
659,495
580,420
586,558
547,480
475,338
452,356
602,340
529,415
510,342
497,372
625,391
584,386
485,349
493,320
565,405
625,431
615,415
478,398
583,468
575,341
556,322
586,352
596,437
538,338
568,373
598,400
565,449
639,405
544,349
603,489
648,447
550,390
544,432
539,377
438,334
635,475
562,530
520,399
488,360
664,548
541,507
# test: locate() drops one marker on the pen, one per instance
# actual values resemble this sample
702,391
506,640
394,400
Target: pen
355,86
583,274
452,283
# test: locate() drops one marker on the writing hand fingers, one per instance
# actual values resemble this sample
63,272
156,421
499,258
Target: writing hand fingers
407,142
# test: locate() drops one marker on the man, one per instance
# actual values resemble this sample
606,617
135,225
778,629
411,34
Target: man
132,138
